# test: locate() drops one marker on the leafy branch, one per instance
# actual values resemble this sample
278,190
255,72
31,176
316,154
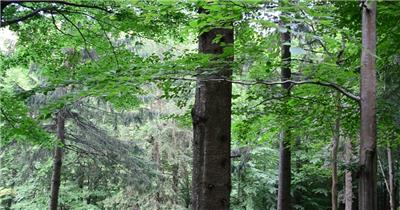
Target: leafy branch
335,86
36,12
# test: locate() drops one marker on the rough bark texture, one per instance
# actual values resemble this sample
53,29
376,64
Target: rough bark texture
368,156
284,146
391,180
57,162
335,143
348,182
211,115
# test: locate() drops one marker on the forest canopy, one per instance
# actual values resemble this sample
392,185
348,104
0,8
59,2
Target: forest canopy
200,104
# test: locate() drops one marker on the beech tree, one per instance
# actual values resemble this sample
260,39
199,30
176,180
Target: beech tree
335,144
368,157
211,117
285,142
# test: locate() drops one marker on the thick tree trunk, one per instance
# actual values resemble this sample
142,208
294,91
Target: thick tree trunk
348,200
284,146
57,162
368,156
335,143
391,179
211,115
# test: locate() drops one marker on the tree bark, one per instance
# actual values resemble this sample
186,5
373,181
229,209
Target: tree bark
211,116
335,143
368,156
284,146
391,179
57,161
348,200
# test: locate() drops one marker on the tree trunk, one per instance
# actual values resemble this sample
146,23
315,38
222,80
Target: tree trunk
284,146
57,162
297,195
391,179
368,156
157,158
335,143
348,200
211,115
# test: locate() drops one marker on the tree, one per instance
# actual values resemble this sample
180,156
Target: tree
57,161
335,144
391,184
348,180
368,157
211,117
285,142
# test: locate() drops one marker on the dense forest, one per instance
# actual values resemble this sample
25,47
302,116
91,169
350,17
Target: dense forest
200,104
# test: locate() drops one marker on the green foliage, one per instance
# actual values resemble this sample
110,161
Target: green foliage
127,76
17,125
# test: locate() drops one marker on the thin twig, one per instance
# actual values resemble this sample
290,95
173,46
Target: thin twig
7,118
79,31
55,25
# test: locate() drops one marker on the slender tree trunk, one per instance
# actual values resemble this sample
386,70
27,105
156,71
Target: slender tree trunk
391,179
368,156
57,162
335,143
297,196
175,180
284,146
396,167
175,166
211,115
156,158
348,200
284,172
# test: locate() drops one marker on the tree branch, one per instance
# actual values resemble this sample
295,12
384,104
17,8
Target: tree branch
55,25
35,12
26,17
292,82
77,28
7,118
7,2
